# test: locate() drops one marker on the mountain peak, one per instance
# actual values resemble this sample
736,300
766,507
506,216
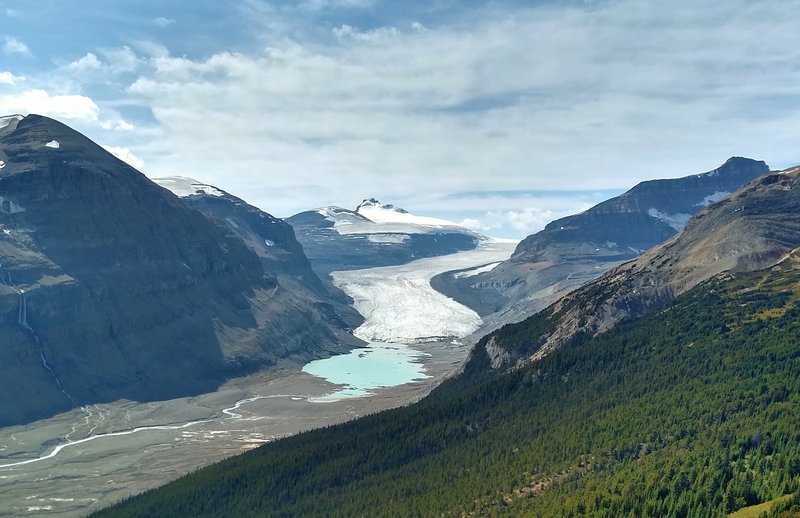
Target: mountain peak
379,212
372,202
737,165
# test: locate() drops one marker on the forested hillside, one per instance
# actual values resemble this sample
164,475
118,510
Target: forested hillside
690,411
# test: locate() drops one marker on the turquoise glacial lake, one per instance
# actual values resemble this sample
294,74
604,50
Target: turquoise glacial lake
380,365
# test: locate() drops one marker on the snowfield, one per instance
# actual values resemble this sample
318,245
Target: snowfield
182,186
373,217
399,304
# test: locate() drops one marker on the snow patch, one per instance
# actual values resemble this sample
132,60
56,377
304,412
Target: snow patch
325,213
9,123
269,242
388,238
676,221
477,271
183,187
713,198
53,144
2,164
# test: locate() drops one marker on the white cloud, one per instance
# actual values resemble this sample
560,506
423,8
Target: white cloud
524,221
15,46
163,22
125,155
117,125
347,31
122,60
516,98
7,78
87,62
317,5
71,107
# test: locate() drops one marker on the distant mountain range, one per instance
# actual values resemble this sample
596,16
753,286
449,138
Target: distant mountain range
375,235
112,287
573,250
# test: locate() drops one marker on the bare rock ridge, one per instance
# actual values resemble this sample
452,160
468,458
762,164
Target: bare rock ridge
753,229
576,249
111,287
375,234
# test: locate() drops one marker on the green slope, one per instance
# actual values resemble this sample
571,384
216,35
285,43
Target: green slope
691,411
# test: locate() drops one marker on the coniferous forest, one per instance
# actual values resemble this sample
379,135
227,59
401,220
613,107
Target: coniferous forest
690,411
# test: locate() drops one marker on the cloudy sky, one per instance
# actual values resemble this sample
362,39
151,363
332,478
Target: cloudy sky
501,114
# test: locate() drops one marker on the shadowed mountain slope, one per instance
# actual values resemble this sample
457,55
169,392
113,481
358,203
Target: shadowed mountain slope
111,287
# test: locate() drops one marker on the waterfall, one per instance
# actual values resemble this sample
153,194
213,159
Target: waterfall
22,321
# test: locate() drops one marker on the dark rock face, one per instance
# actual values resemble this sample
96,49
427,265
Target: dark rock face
274,242
375,243
754,229
113,288
573,250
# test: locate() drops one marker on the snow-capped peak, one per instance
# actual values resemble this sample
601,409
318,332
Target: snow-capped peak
182,186
378,212
372,202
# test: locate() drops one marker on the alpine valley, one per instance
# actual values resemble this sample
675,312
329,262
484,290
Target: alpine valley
665,387
637,359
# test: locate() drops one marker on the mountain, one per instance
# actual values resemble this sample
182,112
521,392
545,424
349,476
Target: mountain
750,230
111,287
375,234
575,249
691,409
272,239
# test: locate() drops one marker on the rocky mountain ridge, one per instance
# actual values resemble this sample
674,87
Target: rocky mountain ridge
576,249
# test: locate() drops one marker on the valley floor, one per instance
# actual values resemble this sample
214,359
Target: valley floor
176,436
89,458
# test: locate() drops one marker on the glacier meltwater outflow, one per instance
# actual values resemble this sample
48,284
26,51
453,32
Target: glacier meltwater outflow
400,309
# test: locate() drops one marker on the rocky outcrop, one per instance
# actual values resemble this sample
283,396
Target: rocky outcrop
126,292
753,229
574,250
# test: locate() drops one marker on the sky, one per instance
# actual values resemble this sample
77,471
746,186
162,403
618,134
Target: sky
499,114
